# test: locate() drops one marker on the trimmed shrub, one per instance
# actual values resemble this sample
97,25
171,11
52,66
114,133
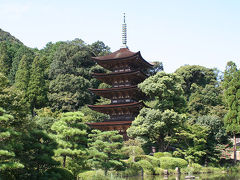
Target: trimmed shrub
92,175
162,154
172,163
167,154
146,166
158,154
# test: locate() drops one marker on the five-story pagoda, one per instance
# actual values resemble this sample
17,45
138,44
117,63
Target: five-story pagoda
126,73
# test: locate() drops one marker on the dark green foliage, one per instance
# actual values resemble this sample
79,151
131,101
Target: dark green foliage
192,142
28,55
231,85
22,75
217,131
37,87
104,150
204,99
156,127
71,135
165,89
57,174
195,76
13,101
36,154
92,116
8,162
6,36
68,92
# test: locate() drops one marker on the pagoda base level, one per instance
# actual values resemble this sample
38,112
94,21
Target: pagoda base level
120,126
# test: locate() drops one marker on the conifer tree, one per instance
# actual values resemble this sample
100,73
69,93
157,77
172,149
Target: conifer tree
231,85
22,75
7,155
4,60
37,89
105,150
71,135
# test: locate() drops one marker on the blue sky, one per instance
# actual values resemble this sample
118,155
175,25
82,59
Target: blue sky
176,32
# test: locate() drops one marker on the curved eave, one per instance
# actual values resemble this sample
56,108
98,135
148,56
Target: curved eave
114,89
106,106
110,123
108,61
132,91
123,73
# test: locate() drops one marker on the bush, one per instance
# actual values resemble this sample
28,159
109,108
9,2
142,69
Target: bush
92,175
57,174
153,160
172,163
146,166
158,154
132,169
162,154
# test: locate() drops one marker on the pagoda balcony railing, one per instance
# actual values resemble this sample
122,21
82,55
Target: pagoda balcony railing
121,101
121,118
122,85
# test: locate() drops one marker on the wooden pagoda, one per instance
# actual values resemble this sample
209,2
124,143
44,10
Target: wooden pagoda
126,73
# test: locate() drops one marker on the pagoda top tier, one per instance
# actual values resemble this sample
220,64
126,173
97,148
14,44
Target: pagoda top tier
122,59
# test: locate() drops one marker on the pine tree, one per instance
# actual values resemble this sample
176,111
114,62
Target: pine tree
22,75
71,135
105,150
37,88
7,155
231,85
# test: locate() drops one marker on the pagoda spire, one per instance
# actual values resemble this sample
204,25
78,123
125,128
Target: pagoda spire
124,33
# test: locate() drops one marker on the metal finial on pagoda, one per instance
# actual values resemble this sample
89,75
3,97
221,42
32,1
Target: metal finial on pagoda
124,33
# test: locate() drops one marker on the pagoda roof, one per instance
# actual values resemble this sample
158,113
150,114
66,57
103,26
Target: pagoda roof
107,77
116,105
112,123
110,108
114,89
121,55
109,92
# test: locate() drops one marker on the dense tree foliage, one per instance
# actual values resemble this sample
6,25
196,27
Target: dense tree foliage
8,161
165,89
71,135
155,126
104,149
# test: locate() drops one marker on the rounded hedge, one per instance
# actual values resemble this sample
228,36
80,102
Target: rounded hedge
172,163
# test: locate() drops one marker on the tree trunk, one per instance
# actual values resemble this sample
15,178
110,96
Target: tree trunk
64,161
234,148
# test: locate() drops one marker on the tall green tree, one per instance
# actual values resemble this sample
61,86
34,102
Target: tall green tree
5,61
231,85
37,88
68,92
104,150
195,76
156,127
13,101
8,161
71,135
23,75
165,90
22,51
192,142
